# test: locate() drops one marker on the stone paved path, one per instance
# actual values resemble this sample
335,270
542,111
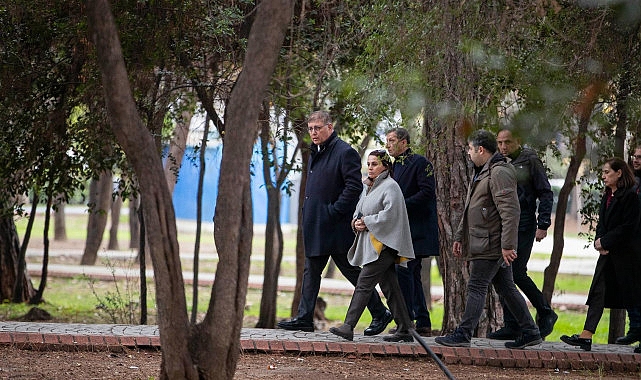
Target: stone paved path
552,355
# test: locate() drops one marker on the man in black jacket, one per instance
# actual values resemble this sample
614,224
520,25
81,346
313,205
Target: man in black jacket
415,176
331,193
532,184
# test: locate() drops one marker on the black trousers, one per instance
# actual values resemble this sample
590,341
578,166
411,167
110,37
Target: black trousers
312,275
382,272
523,280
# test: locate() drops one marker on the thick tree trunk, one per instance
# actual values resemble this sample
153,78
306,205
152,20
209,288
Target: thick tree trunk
139,146
9,254
223,321
214,343
100,191
446,150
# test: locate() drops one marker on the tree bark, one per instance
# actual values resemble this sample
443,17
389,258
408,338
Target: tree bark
273,230
233,237
177,149
116,206
300,241
139,146
211,350
9,254
100,191
199,217
134,224
60,227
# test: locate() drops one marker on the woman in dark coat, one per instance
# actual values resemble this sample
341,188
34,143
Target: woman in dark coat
616,282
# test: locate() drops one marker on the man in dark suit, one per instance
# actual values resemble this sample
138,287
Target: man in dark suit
331,194
415,176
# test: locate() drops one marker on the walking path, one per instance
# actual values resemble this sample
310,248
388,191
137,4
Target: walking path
554,355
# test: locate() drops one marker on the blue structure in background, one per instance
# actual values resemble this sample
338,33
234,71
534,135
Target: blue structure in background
185,192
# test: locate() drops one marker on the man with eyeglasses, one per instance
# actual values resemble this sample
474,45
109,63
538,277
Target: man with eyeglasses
332,191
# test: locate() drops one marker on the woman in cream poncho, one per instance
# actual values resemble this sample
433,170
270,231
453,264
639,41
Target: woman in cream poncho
383,239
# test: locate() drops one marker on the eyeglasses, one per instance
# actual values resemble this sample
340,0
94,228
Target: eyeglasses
636,156
316,128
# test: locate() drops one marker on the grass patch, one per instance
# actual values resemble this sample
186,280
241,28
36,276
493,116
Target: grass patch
72,301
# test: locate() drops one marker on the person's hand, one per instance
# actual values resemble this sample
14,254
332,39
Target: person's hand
603,252
359,225
509,255
541,234
456,248
597,244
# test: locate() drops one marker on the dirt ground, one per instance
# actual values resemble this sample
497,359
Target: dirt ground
18,363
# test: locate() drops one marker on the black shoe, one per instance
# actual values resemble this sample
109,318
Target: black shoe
297,324
379,325
546,323
574,340
505,333
455,339
399,337
525,340
344,331
637,349
424,331
633,336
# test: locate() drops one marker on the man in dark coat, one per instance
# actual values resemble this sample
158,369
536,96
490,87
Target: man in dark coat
331,193
532,185
415,176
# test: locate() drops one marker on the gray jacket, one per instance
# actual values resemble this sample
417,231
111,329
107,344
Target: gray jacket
385,215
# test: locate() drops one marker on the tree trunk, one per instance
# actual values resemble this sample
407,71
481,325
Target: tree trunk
215,343
116,206
446,151
139,146
18,286
9,255
37,298
60,227
273,231
134,224
584,112
300,241
177,149
199,218
223,321
100,191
